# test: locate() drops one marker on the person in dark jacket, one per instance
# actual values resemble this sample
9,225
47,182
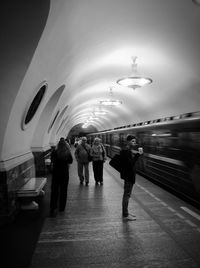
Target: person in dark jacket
82,154
61,157
128,155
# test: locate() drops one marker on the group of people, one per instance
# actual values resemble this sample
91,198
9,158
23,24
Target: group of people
84,153
61,157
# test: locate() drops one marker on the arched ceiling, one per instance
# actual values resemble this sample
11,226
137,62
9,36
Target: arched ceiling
84,47
92,43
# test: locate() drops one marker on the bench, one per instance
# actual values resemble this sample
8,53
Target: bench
32,188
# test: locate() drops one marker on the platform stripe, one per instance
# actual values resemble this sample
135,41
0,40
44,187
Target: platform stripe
192,213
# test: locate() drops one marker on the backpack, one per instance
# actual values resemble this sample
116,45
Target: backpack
115,162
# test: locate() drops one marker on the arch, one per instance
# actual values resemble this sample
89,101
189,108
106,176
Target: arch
40,137
17,50
34,104
57,125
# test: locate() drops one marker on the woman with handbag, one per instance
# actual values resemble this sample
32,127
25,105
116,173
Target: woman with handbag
98,153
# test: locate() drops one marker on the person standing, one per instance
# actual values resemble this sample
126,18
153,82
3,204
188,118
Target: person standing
98,153
82,155
128,155
76,142
61,157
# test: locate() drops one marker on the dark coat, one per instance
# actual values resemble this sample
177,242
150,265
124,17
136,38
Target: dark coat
60,178
128,160
60,166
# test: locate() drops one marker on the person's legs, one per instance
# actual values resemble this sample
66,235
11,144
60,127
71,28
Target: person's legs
128,186
100,171
86,167
80,172
63,194
94,165
54,195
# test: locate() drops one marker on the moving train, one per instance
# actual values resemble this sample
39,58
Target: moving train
171,152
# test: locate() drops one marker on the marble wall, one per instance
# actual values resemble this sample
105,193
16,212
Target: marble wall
12,178
10,181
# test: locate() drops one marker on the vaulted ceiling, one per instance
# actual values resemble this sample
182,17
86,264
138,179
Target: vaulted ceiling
80,48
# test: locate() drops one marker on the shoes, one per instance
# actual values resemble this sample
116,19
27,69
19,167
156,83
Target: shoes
129,218
97,182
81,182
132,215
86,184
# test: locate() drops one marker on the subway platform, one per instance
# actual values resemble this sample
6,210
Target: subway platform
92,233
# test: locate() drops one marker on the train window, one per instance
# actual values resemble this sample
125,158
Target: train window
110,139
34,104
195,140
176,117
103,138
115,139
167,118
186,115
107,138
123,139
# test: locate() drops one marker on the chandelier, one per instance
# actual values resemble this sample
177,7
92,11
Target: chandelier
111,101
134,81
99,111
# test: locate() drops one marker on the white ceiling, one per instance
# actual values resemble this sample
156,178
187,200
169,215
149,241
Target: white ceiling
92,42
83,48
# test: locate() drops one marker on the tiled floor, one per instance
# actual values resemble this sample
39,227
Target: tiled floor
92,233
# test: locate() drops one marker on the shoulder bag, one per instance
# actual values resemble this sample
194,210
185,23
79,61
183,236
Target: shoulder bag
115,162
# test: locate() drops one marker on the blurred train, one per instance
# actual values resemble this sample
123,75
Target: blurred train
171,152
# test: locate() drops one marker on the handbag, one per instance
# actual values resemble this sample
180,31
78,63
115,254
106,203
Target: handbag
115,162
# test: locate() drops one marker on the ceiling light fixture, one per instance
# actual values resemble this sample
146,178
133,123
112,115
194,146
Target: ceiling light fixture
92,117
85,125
110,102
134,81
100,112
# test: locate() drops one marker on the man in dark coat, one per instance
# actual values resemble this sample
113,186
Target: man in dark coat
128,155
